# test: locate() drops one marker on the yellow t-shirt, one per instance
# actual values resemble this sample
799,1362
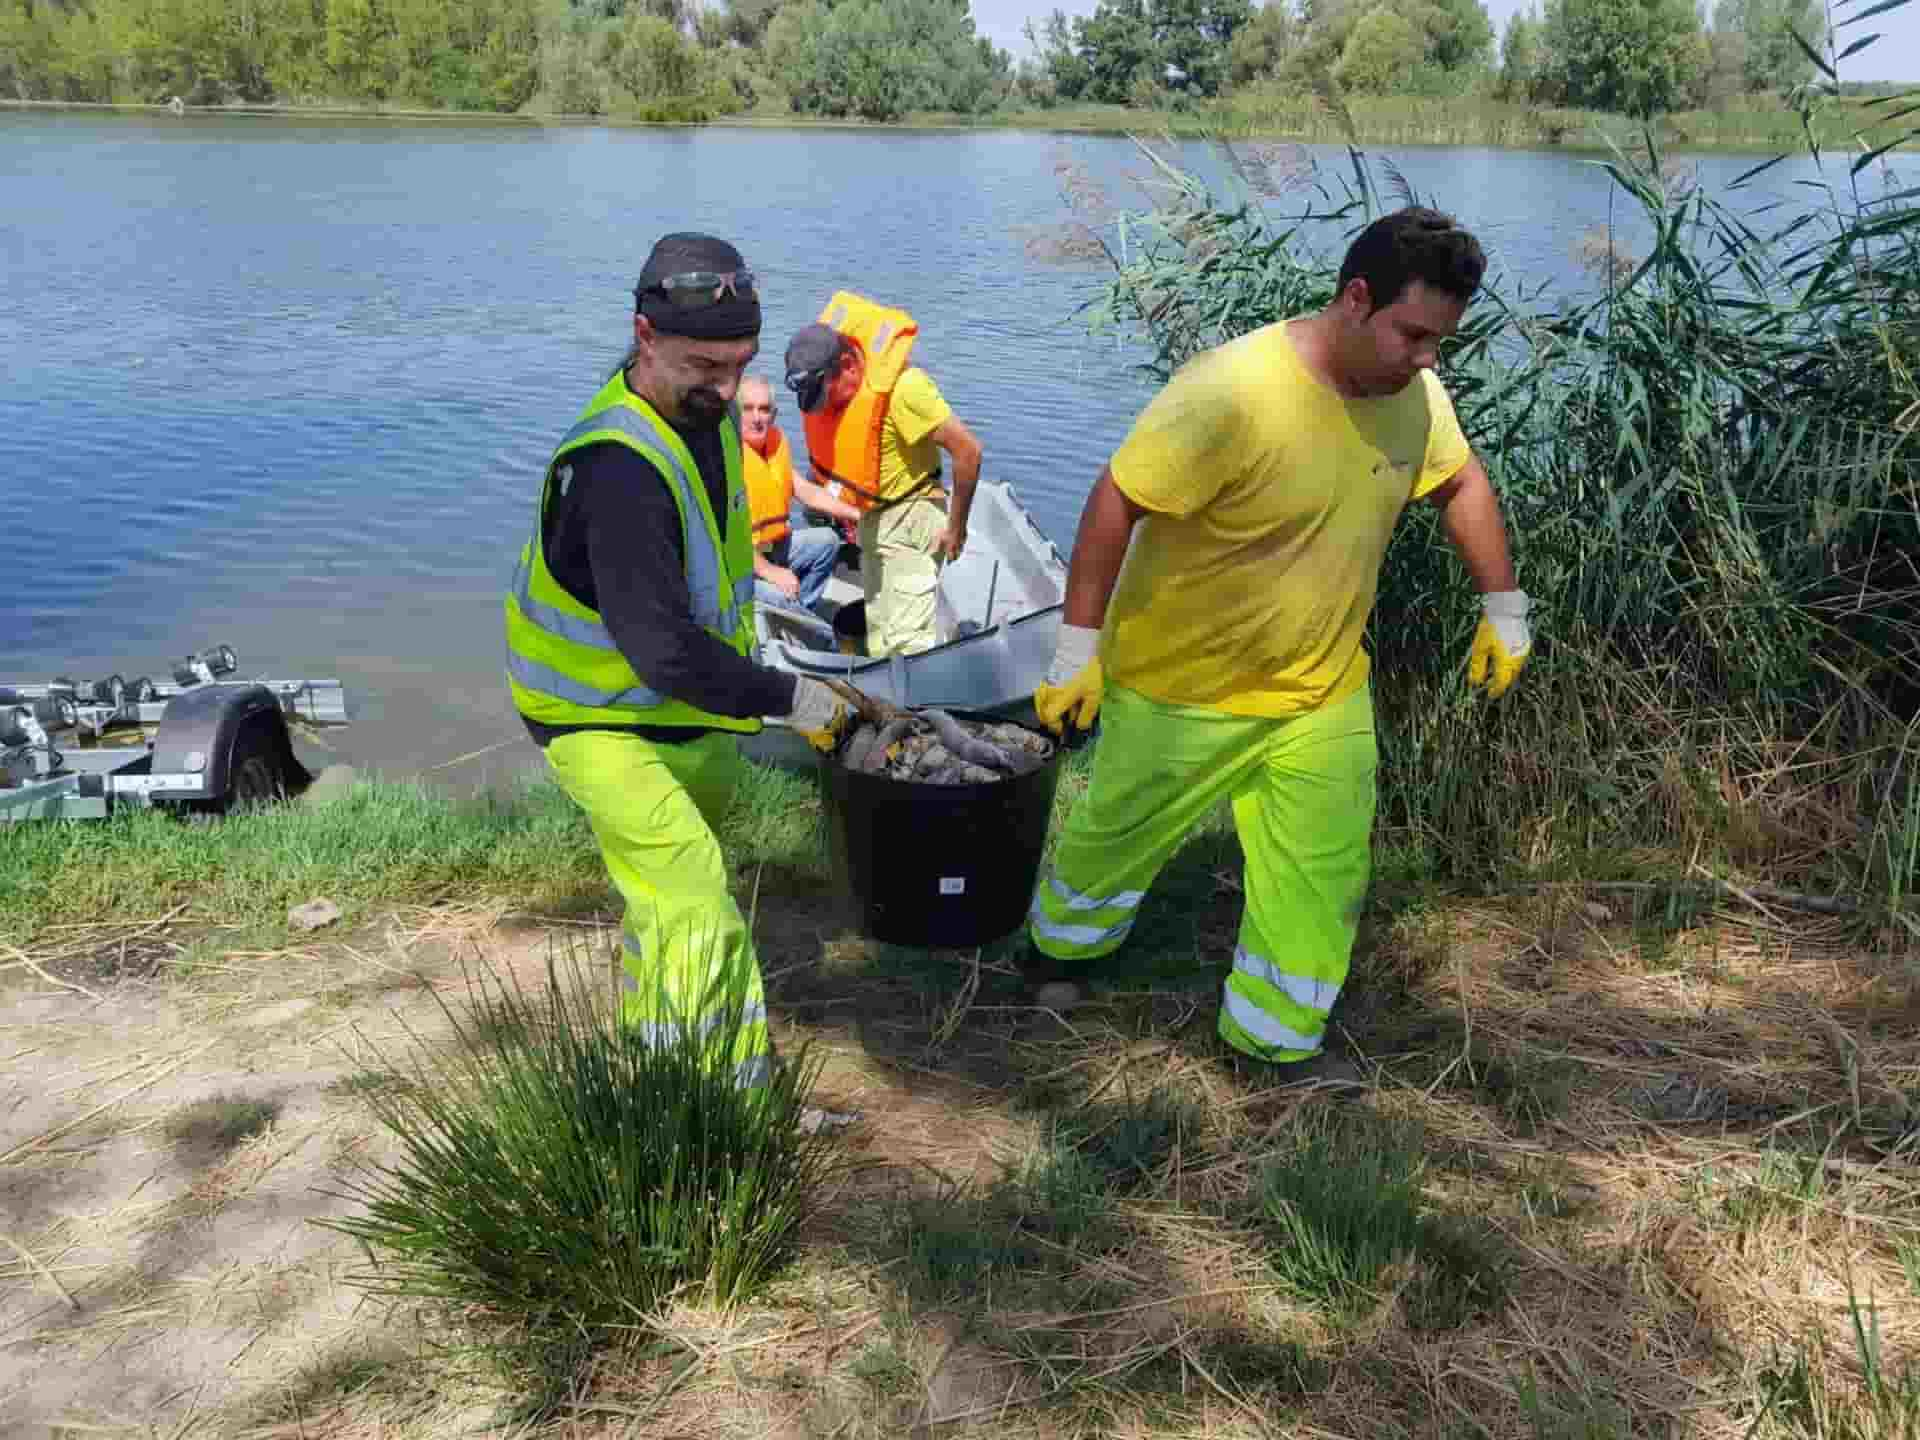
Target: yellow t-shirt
1274,497
908,455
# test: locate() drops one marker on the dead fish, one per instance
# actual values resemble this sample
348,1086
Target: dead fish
957,740
890,734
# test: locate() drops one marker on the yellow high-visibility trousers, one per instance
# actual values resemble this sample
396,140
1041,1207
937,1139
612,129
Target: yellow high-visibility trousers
688,966
1302,790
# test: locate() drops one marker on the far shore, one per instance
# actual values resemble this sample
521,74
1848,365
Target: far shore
1394,120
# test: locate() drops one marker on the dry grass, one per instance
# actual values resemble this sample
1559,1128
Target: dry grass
1676,1137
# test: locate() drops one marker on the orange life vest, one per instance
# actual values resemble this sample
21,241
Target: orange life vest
844,445
769,488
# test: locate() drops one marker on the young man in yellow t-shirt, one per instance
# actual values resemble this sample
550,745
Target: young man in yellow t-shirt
1258,492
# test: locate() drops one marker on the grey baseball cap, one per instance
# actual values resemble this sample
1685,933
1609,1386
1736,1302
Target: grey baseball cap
812,355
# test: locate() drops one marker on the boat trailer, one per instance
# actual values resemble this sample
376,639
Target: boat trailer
198,743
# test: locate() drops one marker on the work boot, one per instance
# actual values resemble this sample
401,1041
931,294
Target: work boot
1329,1070
1051,984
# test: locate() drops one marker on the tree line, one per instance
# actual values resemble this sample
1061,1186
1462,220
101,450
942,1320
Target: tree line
1633,56
883,59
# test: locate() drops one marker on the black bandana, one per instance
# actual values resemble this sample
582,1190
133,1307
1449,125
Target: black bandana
735,317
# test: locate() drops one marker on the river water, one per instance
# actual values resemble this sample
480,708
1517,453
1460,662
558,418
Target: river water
289,384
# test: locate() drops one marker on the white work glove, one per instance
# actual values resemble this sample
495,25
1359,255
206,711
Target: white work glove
1075,684
1075,647
814,705
1502,642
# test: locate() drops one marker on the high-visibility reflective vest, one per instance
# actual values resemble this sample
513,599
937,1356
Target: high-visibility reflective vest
844,445
769,489
562,665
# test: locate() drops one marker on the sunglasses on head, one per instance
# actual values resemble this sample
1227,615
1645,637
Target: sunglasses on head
697,289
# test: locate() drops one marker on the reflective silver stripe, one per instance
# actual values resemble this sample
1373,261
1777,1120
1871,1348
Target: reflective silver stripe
664,1034
703,562
1310,994
881,337
1074,900
1263,1027
554,621
1076,934
532,675
752,1073
837,316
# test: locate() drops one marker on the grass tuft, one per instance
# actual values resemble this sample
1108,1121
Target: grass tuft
220,1122
1342,1203
562,1173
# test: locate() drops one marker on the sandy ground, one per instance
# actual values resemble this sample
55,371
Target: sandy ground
164,1151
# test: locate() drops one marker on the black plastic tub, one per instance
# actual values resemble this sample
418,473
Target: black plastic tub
945,866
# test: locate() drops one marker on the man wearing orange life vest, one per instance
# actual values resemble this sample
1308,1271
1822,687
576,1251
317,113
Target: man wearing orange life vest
875,428
790,567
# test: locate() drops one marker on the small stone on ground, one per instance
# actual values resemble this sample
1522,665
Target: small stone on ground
313,914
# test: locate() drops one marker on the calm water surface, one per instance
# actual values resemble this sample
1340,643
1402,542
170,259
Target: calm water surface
290,384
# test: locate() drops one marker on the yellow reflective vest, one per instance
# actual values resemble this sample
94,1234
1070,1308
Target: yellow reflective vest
562,664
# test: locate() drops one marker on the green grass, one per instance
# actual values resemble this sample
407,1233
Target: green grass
1040,1221
1127,1141
384,842
220,1122
1342,1202
565,1175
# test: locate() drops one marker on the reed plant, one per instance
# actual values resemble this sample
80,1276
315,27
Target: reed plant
1708,465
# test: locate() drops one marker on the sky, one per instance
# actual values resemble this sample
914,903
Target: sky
1895,56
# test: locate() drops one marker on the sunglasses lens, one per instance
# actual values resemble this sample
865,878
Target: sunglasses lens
700,288
690,297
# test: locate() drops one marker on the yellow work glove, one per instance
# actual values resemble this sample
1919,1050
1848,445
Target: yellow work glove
819,715
1074,685
1502,643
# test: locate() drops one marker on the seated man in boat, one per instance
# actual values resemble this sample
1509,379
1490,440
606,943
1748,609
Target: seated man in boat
875,429
790,567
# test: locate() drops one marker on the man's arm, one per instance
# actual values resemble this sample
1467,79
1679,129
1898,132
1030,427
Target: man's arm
1470,514
818,498
1099,547
640,588
778,576
952,436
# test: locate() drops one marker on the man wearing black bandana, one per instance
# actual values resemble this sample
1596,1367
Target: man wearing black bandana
630,636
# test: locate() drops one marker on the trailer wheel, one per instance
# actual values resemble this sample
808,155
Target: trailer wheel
256,773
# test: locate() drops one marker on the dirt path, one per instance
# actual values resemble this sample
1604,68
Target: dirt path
164,1150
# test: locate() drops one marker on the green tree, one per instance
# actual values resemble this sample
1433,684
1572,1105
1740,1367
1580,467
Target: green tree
362,47
1520,58
1639,57
1382,51
1455,37
656,72
747,20
1116,42
1760,33
1457,33
1064,67
1193,36
1259,46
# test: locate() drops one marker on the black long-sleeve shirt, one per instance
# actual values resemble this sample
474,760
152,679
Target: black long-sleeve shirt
611,538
